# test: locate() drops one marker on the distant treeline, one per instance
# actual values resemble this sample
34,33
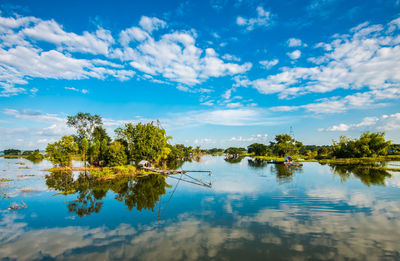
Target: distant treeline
368,145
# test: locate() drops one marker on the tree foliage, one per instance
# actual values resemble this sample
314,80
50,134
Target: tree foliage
85,124
368,145
258,149
285,144
61,152
143,141
116,154
12,152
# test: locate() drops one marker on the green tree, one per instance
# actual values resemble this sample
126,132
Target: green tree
99,133
258,149
85,124
84,150
94,153
60,153
116,154
144,141
368,145
12,152
285,144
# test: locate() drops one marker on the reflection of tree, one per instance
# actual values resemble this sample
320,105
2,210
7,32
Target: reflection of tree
141,192
284,174
234,160
61,181
175,164
368,174
257,163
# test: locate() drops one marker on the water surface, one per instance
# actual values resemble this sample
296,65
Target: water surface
247,210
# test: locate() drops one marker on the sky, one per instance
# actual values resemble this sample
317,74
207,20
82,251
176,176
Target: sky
215,73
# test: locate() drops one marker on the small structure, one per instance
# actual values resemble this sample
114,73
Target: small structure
145,163
290,163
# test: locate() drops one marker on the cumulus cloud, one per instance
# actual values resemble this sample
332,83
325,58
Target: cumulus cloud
263,19
294,55
269,64
336,104
383,123
151,23
369,56
294,42
173,55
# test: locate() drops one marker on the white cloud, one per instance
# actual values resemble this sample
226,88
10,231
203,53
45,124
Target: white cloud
234,105
383,123
294,55
151,23
263,19
174,55
369,56
252,138
84,91
227,94
50,31
361,100
294,42
33,116
269,64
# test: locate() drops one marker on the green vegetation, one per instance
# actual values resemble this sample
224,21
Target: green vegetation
368,145
140,193
143,141
12,152
259,149
106,158
60,153
284,144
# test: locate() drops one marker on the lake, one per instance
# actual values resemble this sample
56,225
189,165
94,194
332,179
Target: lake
247,210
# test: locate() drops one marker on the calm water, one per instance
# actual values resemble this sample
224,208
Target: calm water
252,211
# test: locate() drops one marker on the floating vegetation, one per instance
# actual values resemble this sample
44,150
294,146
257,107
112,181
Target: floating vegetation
20,163
25,167
16,206
27,175
5,180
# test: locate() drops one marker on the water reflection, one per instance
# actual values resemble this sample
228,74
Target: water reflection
244,216
285,174
234,160
257,163
368,174
140,193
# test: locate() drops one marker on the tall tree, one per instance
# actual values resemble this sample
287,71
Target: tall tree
85,124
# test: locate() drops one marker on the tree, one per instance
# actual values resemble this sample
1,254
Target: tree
285,144
60,153
116,154
258,149
99,133
12,152
84,149
368,145
85,124
94,153
144,141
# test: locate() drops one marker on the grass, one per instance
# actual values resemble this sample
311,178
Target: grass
5,180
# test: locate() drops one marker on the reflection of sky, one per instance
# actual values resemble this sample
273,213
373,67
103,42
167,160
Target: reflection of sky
248,213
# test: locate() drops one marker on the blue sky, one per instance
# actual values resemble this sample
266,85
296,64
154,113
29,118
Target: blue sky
215,73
